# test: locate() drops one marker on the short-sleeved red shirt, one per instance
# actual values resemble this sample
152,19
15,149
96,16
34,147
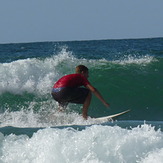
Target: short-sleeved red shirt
72,80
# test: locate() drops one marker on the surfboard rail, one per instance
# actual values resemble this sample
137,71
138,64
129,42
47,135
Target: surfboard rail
112,116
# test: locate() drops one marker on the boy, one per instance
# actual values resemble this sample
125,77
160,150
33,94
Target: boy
67,90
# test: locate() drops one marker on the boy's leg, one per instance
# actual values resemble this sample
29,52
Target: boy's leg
86,105
60,95
62,106
73,95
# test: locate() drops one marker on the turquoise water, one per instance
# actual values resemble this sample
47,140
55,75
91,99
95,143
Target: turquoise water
128,73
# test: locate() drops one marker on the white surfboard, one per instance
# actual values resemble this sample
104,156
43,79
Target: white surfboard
109,117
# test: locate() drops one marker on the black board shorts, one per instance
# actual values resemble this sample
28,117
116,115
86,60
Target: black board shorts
67,95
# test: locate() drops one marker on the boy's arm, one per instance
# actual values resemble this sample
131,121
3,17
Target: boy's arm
97,94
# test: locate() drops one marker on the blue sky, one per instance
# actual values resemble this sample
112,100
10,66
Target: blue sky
66,20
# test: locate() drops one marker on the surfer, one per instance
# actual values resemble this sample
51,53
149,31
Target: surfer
67,90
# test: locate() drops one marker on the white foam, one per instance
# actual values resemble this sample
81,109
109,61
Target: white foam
142,60
34,75
30,75
95,144
25,75
46,116
153,156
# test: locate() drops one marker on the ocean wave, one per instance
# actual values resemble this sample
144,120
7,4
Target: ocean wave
93,144
33,75
37,75
139,60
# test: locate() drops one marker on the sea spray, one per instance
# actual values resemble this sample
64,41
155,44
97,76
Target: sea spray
93,144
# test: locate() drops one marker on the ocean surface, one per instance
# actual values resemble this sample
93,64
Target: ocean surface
127,72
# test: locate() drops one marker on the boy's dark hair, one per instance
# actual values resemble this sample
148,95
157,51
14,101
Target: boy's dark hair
81,68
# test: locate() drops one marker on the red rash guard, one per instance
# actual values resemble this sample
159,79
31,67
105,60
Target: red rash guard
72,80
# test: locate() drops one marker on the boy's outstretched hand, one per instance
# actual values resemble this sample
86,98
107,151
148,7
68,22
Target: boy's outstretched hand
106,104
